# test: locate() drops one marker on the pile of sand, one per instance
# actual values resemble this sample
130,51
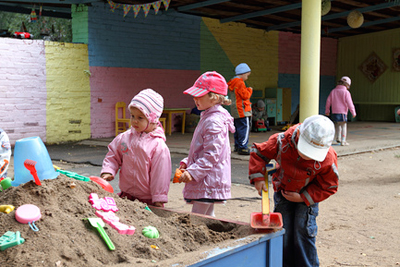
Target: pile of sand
65,239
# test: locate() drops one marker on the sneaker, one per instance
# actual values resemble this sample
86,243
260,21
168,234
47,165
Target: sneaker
244,151
235,149
344,143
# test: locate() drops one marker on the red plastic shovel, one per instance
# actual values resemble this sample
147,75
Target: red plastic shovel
266,219
30,165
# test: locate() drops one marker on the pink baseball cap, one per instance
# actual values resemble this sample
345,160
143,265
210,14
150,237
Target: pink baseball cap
210,81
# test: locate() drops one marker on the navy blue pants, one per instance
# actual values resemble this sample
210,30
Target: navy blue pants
241,134
300,223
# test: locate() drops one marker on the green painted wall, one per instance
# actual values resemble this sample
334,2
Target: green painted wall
375,101
80,29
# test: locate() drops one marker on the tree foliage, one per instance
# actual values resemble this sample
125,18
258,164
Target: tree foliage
47,28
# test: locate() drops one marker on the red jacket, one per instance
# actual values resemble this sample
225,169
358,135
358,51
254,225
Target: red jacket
315,181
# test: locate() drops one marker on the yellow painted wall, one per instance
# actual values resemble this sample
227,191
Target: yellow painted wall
375,101
68,92
257,48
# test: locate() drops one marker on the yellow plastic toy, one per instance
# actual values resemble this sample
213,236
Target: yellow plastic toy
6,208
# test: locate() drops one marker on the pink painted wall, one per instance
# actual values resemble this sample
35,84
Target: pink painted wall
23,88
328,63
290,50
289,53
111,85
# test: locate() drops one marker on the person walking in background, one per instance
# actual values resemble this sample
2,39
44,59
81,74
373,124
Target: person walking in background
207,169
240,95
5,153
141,154
259,113
340,101
307,173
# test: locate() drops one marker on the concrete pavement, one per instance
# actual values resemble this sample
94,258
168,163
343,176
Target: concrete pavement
362,136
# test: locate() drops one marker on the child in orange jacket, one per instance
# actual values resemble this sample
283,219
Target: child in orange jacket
240,95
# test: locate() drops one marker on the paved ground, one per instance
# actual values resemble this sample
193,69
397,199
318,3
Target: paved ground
87,155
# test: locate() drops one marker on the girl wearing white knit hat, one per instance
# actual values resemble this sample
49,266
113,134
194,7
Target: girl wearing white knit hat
141,154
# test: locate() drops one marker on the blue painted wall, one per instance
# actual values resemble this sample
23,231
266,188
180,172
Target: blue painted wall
156,42
327,83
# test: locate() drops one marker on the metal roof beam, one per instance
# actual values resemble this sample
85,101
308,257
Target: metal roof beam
201,4
366,24
64,13
61,2
335,16
262,13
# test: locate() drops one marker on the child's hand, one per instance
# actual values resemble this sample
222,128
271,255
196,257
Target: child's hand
159,204
292,196
182,166
185,177
260,185
107,176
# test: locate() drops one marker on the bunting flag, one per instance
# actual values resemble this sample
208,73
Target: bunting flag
156,6
33,17
113,5
126,9
166,3
146,9
136,8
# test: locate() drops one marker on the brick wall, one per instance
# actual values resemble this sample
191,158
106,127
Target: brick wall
23,88
68,92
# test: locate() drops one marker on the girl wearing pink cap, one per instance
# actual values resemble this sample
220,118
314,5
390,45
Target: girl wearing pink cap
141,154
207,169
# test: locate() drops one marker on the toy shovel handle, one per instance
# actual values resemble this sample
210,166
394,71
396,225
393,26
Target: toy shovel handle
105,237
271,168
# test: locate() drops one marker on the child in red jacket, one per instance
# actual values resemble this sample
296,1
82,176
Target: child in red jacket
306,175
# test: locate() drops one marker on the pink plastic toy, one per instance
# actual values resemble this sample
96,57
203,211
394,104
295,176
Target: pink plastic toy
113,220
106,204
28,213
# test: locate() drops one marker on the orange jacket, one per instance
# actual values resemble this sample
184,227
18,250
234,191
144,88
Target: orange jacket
240,96
315,181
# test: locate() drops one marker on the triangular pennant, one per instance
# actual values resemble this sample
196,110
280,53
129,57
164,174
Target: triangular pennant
146,9
126,9
156,6
33,15
136,9
113,5
166,3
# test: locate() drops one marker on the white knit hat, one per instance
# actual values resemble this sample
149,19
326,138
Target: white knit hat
150,103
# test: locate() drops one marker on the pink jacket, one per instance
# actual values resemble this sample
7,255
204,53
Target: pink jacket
209,159
144,162
340,100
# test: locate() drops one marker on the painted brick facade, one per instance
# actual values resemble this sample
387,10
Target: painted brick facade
68,92
23,88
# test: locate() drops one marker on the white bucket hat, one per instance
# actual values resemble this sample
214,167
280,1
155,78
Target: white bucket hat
316,136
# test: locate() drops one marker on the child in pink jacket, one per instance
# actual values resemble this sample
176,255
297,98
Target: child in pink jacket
207,169
141,154
340,101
